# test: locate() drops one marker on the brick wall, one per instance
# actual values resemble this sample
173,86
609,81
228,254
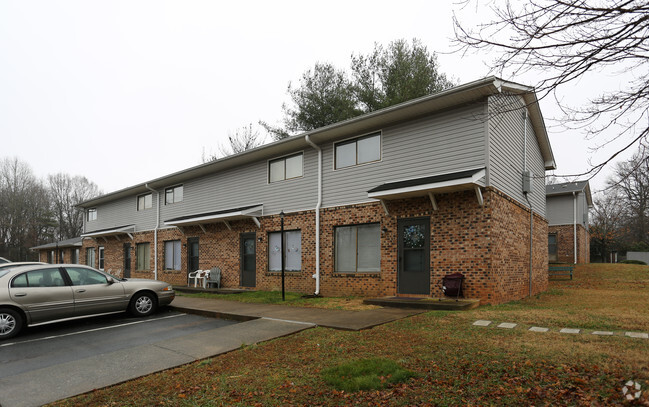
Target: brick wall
489,245
566,245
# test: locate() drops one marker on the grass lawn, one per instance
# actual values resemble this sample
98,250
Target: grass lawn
452,361
291,299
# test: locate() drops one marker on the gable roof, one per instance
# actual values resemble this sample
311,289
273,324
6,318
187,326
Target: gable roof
567,188
468,93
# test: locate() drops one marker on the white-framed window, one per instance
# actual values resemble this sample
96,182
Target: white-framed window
357,151
174,194
144,202
75,256
358,248
292,251
90,257
142,256
172,255
286,168
92,214
50,257
101,257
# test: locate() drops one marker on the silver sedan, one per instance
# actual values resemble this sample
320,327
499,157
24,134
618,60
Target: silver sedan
39,294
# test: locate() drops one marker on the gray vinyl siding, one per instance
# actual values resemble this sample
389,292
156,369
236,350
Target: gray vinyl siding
248,185
123,212
243,186
506,152
561,209
446,142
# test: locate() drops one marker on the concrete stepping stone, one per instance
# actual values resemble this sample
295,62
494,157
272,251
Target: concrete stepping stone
640,335
482,322
603,333
538,329
570,331
507,325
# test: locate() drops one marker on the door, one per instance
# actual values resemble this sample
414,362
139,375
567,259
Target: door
44,294
414,256
192,255
552,248
127,260
248,260
93,294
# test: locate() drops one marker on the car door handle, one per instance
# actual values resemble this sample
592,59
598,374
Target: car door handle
81,290
20,295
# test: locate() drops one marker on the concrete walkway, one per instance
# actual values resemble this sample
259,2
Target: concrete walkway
337,319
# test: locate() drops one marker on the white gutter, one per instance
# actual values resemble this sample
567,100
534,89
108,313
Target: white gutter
155,231
317,215
574,224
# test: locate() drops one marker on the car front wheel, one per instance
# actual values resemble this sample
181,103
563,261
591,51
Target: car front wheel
11,322
143,304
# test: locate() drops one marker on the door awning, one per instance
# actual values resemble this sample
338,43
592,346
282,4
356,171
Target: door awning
116,231
429,186
225,215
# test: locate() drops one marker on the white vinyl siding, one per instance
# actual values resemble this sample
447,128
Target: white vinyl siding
172,255
358,248
292,251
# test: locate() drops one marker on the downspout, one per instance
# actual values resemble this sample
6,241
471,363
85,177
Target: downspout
155,231
526,198
317,216
574,225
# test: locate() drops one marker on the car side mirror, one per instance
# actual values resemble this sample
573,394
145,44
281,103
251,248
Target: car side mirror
110,280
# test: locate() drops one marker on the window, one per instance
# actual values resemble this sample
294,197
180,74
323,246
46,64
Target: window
358,248
142,256
292,251
172,255
285,168
92,214
50,257
75,256
174,194
90,257
39,278
83,276
61,256
358,151
144,202
101,257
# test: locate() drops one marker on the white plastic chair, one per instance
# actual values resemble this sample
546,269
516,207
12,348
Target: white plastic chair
195,275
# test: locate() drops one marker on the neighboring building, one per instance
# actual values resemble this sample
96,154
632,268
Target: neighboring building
383,204
568,233
65,251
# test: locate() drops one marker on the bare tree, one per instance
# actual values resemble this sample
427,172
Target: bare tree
631,183
560,41
606,224
244,138
66,192
25,216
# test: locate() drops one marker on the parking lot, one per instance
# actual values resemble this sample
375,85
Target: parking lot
56,361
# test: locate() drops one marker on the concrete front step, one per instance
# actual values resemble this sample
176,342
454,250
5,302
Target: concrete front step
424,303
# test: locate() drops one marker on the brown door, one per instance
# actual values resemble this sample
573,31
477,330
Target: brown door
414,256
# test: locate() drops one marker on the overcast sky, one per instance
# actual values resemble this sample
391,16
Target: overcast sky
127,91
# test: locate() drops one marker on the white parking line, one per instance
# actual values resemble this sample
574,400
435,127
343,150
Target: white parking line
90,330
